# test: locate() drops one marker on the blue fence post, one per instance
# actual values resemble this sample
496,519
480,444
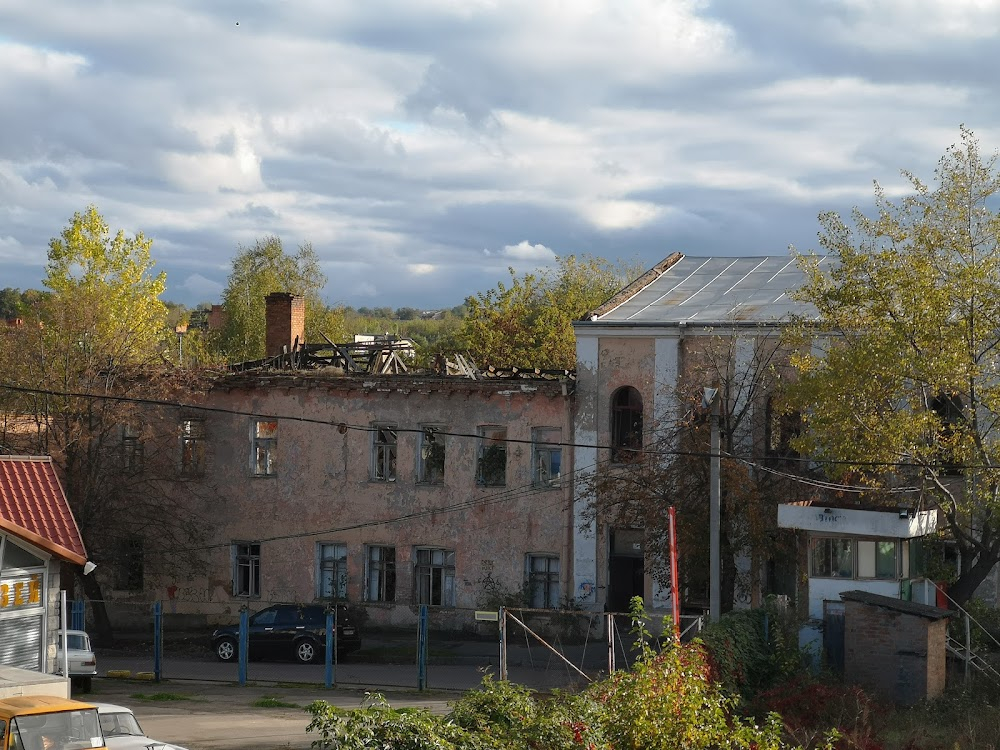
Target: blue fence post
244,643
422,649
77,613
157,640
331,631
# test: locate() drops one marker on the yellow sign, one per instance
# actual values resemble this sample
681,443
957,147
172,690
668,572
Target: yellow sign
16,593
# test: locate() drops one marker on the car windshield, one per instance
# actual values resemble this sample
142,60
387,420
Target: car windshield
119,723
63,730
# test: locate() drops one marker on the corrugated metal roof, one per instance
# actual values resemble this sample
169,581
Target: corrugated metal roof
717,291
33,507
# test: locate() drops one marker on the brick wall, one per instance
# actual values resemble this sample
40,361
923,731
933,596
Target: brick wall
899,657
286,322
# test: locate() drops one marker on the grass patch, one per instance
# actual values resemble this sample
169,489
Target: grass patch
269,701
160,697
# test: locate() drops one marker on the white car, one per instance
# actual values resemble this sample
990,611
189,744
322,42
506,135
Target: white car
82,662
122,731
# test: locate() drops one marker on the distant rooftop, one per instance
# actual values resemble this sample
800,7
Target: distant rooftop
710,291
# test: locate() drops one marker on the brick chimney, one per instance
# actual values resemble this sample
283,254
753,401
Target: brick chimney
286,321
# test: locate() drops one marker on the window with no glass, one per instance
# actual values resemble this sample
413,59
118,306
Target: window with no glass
246,569
192,447
626,425
491,466
265,447
546,457
430,456
384,453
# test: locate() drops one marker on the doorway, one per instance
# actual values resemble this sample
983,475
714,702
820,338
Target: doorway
626,577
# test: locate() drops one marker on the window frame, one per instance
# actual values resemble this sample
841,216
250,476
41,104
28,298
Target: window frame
626,439
543,448
246,554
856,563
380,574
384,453
494,444
431,454
192,446
548,579
426,566
337,565
133,450
263,446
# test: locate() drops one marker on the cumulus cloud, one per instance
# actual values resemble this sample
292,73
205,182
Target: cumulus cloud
410,134
525,251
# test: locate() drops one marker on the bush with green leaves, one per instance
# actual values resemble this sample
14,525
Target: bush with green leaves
751,649
668,700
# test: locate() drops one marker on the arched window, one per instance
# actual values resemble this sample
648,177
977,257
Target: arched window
626,425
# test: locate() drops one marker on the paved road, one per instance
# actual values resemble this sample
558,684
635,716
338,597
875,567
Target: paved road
223,717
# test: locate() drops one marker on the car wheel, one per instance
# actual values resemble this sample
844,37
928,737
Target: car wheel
306,651
86,684
226,650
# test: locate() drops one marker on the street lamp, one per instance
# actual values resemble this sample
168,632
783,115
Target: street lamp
710,400
180,329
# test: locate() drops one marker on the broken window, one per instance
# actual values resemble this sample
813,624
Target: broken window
246,569
192,447
264,452
430,456
546,456
781,428
491,466
384,453
434,577
626,425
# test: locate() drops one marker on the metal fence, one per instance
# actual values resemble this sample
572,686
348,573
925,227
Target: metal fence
403,647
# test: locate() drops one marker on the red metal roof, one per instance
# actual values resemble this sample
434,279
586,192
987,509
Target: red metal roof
33,507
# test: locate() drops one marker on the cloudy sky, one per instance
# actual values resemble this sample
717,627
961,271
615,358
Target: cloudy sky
423,146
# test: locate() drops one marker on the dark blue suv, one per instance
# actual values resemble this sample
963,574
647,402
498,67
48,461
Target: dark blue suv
288,631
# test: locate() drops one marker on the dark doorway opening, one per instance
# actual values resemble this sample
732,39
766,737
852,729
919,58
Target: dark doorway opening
625,568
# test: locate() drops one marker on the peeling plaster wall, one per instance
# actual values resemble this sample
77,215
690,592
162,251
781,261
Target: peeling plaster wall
584,436
323,493
665,415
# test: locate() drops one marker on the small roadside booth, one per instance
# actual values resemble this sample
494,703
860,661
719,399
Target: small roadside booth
851,549
37,534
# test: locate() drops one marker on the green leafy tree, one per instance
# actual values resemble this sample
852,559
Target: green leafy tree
259,270
529,323
73,373
907,391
